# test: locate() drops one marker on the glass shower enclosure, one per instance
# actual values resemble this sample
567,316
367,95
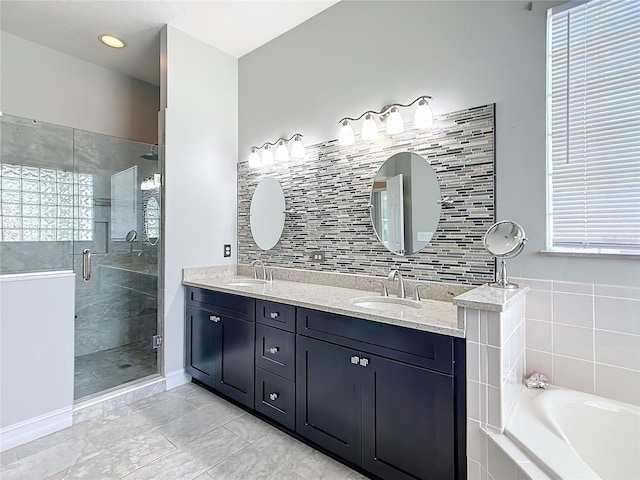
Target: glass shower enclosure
88,202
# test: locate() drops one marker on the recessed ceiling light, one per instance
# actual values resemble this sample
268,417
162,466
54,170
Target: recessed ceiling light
112,41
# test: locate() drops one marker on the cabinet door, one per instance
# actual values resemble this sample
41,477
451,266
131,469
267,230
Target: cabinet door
408,421
201,349
328,396
234,344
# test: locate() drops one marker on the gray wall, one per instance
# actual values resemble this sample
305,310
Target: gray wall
357,56
199,86
42,83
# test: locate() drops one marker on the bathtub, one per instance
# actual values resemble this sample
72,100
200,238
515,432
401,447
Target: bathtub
574,435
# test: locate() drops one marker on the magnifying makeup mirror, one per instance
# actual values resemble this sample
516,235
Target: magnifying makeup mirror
504,240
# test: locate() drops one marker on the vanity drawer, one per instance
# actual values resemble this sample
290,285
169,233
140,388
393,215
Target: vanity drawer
276,315
275,398
225,303
425,349
275,351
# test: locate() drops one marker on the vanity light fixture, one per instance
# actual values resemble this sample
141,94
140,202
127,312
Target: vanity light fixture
423,119
282,154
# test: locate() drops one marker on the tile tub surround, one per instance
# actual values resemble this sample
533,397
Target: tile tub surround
433,316
495,365
328,193
585,337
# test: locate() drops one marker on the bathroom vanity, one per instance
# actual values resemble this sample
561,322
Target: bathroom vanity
384,391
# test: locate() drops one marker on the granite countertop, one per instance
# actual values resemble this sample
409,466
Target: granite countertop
432,316
490,298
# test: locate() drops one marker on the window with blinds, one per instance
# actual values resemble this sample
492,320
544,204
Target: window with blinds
593,114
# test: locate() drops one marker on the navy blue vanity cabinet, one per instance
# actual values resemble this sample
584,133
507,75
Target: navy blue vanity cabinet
275,362
380,396
407,421
220,332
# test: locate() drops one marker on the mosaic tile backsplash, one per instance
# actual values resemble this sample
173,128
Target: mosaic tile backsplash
328,194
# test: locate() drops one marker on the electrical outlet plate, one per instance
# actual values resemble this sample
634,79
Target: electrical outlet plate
317,256
227,249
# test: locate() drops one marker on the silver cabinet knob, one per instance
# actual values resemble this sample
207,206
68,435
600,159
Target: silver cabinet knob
274,349
213,318
274,314
355,360
273,396
364,362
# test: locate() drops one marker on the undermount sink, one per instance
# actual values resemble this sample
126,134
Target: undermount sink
386,304
246,282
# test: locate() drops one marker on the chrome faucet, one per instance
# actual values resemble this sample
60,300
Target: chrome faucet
392,276
255,272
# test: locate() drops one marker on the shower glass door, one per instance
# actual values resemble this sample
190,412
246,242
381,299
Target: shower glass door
71,199
116,258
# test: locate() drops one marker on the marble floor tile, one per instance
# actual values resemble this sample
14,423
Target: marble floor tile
260,459
249,428
198,396
185,434
317,466
44,463
187,428
193,459
163,412
70,437
120,459
285,474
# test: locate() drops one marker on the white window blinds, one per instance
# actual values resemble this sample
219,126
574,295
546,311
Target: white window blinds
594,126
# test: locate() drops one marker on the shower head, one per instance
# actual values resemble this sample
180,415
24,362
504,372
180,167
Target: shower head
152,154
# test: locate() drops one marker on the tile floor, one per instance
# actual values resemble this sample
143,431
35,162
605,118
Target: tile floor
183,434
99,371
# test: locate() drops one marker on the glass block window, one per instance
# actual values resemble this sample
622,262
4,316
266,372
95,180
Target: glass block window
45,205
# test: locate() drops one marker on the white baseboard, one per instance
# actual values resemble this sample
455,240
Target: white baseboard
34,428
177,378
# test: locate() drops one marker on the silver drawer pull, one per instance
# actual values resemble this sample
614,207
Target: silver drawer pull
273,396
355,360
274,314
274,349
213,318
364,362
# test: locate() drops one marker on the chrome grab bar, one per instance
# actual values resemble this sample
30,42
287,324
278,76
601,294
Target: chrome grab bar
86,265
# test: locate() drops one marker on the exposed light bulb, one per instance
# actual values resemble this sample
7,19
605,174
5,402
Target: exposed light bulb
281,152
395,123
254,158
297,147
267,156
423,118
346,136
369,128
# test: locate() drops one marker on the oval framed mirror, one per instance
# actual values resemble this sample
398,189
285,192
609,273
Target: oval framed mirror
267,213
504,240
152,221
405,203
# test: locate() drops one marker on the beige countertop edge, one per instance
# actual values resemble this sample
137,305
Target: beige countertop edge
339,303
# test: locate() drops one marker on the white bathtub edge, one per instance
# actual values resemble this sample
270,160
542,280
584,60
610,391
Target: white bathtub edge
522,462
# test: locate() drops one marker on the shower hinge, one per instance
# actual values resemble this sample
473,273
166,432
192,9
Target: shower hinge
157,341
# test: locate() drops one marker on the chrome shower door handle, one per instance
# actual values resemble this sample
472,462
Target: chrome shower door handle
86,265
